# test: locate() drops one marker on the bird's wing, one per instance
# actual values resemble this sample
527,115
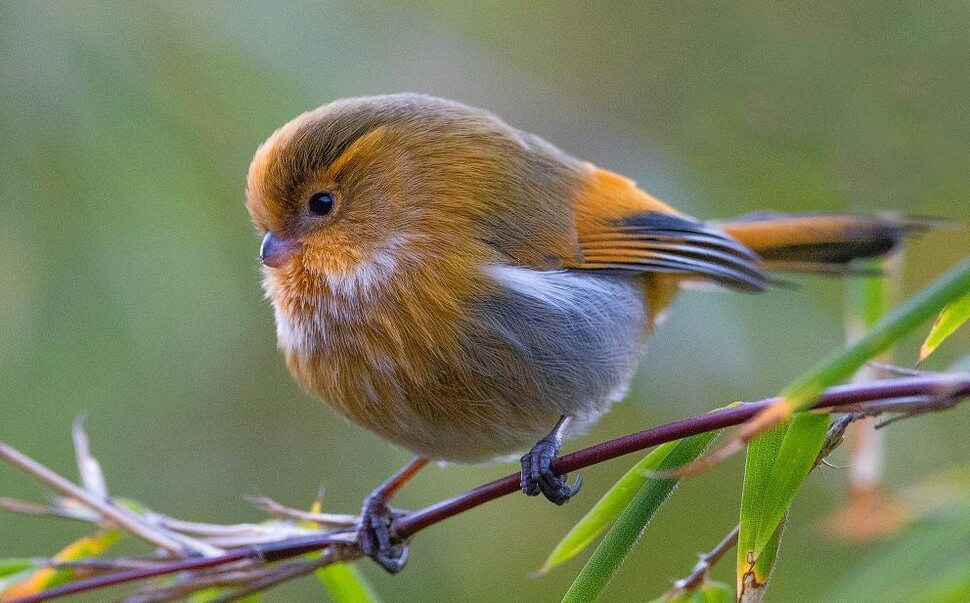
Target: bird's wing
619,227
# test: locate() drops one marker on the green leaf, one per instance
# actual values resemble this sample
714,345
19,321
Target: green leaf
799,451
608,508
14,566
946,324
777,463
214,594
345,584
804,391
47,577
629,526
713,592
753,584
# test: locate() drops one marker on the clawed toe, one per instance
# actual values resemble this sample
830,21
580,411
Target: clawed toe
538,476
375,539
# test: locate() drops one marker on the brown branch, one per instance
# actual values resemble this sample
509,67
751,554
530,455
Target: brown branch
259,554
698,575
290,572
923,393
705,562
954,386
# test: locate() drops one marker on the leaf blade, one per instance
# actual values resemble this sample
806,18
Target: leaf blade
839,366
606,509
777,463
631,523
48,577
8,567
795,459
949,320
345,584
753,584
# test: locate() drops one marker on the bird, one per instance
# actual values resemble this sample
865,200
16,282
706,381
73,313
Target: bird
471,292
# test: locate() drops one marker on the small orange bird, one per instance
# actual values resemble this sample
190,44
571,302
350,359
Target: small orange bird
460,287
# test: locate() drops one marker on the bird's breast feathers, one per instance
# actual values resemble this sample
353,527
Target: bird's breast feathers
460,373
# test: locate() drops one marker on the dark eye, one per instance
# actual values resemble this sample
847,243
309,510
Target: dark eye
321,203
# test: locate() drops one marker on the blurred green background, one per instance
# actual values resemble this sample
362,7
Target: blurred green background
130,287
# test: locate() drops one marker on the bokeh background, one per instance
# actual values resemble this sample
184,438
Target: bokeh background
129,287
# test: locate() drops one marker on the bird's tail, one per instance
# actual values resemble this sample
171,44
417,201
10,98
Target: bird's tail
820,243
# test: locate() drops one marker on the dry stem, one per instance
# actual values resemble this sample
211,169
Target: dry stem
263,555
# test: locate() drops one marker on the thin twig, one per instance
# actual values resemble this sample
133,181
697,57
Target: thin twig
26,508
258,554
343,544
705,562
181,590
834,397
67,488
896,370
232,542
289,572
234,536
97,564
212,529
271,507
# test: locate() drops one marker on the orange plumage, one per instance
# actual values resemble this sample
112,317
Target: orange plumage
456,285
374,309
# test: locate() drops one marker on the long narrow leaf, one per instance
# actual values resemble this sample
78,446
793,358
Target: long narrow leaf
608,508
345,584
779,459
777,463
923,306
44,578
618,542
794,460
8,567
754,582
946,324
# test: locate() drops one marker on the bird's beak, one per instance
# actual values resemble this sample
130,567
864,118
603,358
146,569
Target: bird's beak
276,251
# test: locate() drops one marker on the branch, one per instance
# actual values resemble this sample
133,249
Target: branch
704,564
936,390
911,395
109,511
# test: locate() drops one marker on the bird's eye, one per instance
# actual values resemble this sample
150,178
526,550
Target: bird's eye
321,203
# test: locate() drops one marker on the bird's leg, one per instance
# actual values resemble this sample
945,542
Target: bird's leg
374,534
537,474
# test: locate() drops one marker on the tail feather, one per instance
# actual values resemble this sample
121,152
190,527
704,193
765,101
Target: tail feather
820,243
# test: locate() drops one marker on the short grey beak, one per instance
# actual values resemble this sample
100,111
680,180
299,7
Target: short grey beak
276,251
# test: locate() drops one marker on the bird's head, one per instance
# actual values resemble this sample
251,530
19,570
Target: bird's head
347,193
329,189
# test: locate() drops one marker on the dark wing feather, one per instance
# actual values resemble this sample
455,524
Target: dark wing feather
661,242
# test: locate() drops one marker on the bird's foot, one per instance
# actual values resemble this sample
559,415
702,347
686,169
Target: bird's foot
375,536
538,476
